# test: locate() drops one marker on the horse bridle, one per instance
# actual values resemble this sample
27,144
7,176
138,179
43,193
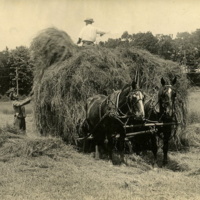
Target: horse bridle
128,103
163,103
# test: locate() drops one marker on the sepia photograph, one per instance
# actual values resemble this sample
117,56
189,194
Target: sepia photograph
99,100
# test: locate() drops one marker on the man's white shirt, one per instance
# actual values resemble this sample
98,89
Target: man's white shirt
89,33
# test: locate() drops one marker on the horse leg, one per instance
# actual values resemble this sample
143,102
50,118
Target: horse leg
166,147
165,151
154,149
96,152
84,146
121,147
96,144
128,145
109,146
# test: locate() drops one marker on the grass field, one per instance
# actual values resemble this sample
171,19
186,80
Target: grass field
194,107
6,108
36,168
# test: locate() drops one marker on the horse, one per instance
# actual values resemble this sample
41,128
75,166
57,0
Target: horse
166,114
146,139
106,115
158,109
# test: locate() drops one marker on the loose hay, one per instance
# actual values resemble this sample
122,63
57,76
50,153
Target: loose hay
16,145
68,77
49,47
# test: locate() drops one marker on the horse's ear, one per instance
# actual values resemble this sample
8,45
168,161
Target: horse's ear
174,81
162,81
134,85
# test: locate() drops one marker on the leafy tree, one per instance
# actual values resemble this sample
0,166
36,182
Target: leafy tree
195,39
145,41
165,47
125,36
21,69
4,71
187,46
112,43
184,49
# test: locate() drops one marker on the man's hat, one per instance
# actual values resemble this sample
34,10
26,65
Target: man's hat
11,93
13,96
89,20
11,90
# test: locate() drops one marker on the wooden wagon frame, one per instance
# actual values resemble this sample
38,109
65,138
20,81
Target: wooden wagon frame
151,125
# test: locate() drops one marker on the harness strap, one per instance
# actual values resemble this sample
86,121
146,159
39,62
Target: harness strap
105,115
117,100
110,112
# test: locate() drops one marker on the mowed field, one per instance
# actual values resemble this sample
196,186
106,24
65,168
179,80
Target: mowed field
36,168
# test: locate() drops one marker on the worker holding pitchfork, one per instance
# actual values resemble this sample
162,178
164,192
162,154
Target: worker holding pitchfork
19,110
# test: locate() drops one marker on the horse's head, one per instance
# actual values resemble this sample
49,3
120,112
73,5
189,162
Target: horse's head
135,101
166,96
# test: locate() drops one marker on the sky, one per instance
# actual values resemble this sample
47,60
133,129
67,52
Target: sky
22,20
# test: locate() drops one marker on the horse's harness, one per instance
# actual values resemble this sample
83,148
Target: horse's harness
117,110
114,109
164,104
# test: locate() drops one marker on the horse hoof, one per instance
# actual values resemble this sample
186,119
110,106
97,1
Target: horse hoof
164,164
110,163
155,166
155,169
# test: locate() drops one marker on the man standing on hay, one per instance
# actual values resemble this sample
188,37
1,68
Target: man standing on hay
89,33
19,110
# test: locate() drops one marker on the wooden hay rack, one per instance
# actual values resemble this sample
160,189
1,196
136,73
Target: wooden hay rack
152,128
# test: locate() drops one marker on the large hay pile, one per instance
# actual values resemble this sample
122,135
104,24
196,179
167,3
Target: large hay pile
64,79
49,47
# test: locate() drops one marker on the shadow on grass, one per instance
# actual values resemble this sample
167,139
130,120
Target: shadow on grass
146,161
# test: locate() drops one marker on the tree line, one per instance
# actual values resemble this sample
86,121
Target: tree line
16,70
184,48
16,65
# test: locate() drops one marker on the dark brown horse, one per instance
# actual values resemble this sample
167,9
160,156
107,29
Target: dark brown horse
105,116
165,114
